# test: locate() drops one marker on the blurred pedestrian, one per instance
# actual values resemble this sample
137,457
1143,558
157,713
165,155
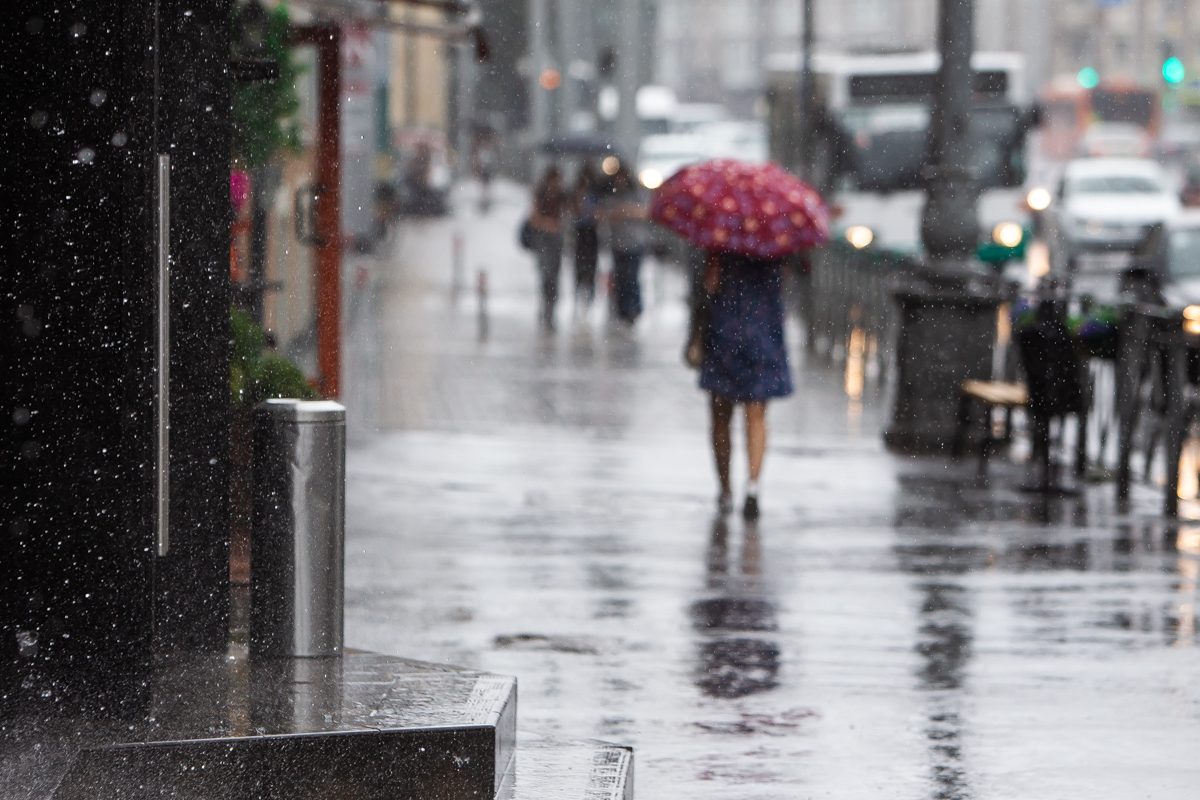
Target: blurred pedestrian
625,214
744,361
483,163
585,203
545,220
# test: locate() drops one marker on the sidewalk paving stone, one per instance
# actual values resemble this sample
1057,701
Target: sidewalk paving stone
542,506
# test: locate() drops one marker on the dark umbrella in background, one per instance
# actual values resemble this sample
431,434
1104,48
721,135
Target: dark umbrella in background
579,144
758,210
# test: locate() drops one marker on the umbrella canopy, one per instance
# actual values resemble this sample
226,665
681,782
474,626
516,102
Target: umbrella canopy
578,144
758,210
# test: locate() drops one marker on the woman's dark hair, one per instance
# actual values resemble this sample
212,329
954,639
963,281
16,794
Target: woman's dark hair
622,175
587,179
550,174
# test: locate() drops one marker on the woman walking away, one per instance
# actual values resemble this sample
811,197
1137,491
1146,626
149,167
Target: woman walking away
587,236
747,218
745,360
545,219
627,237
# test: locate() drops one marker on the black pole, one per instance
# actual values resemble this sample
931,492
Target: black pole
947,324
804,117
949,227
256,281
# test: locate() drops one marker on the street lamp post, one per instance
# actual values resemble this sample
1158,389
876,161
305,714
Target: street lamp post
804,132
539,51
949,228
568,31
948,304
627,76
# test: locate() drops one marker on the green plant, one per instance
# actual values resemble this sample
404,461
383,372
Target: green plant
264,113
255,375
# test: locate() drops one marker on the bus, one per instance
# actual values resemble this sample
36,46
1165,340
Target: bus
872,136
1069,111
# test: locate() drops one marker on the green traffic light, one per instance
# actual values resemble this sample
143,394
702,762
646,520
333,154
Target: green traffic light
1088,78
1172,70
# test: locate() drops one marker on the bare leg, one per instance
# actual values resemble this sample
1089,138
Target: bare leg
722,414
756,436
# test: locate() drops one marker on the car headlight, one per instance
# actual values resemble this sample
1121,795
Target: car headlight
1038,199
1191,319
859,236
1008,234
650,178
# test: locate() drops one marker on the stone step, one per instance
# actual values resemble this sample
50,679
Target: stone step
365,726
549,769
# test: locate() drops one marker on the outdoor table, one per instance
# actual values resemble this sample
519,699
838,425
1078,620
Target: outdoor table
1146,332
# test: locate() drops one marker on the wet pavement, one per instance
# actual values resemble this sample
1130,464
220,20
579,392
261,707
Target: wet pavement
542,506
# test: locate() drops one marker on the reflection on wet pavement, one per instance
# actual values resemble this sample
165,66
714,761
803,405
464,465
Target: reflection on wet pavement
730,665
542,507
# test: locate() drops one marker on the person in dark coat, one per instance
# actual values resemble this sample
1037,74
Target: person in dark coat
626,217
745,360
585,203
545,219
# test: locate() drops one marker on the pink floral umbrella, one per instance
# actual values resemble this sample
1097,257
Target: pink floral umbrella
757,210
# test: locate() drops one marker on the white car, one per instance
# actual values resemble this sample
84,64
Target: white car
661,155
1106,206
744,141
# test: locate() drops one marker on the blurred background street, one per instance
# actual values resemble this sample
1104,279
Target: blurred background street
541,505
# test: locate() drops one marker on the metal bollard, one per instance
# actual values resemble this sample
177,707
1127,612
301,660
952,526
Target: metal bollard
458,251
297,542
481,290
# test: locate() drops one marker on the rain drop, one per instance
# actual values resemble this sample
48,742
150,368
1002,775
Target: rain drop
98,97
38,119
85,155
78,29
120,138
187,13
34,25
27,643
21,416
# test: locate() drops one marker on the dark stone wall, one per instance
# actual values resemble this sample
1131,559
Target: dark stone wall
88,111
194,128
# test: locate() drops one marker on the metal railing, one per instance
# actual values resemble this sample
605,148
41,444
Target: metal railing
847,305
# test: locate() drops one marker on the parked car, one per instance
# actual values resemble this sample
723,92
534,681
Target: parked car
661,156
1181,275
745,141
422,176
1163,269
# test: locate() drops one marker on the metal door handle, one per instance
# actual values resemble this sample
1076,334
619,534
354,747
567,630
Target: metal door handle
162,371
